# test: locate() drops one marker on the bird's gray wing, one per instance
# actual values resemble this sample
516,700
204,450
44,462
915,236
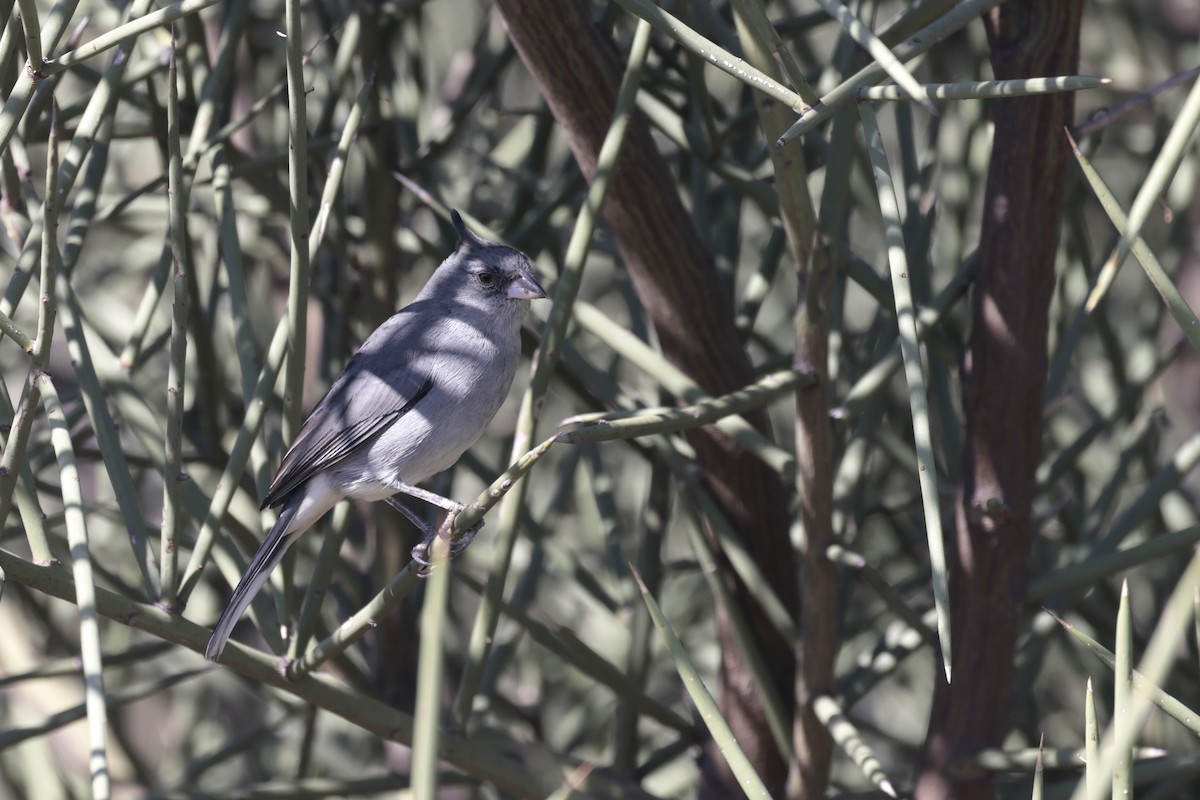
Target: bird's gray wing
374,391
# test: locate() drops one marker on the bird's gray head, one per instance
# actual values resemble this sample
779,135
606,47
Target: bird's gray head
484,274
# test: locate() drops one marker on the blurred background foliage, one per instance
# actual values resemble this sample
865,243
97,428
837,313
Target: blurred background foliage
576,685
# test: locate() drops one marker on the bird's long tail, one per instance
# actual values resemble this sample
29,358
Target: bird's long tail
269,554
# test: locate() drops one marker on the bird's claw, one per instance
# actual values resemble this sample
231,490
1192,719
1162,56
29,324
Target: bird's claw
421,552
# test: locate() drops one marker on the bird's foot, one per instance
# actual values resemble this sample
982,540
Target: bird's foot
463,541
423,553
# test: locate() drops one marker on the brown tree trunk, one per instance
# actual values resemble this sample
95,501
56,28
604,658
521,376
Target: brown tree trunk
1004,372
578,71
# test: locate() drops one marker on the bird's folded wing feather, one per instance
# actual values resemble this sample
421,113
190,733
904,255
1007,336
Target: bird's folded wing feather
372,393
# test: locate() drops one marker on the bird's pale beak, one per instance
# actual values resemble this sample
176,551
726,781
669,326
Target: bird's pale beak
526,288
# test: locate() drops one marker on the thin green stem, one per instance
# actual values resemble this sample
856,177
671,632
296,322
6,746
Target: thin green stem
430,674
297,305
33,33
10,329
1122,765
1180,310
14,460
983,90
918,401
845,734
1150,190
49,259
85,590
631,425
1168,704
1091,739
707,707
95,399
318,582
173,474
122,33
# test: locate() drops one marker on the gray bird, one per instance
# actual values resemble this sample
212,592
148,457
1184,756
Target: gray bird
415,396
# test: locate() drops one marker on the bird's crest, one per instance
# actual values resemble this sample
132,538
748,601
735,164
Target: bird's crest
465,235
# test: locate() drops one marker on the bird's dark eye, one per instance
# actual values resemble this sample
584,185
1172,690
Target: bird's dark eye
487,278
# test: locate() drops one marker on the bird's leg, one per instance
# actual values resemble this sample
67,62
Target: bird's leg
433,498
419,553
428,532
424,527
